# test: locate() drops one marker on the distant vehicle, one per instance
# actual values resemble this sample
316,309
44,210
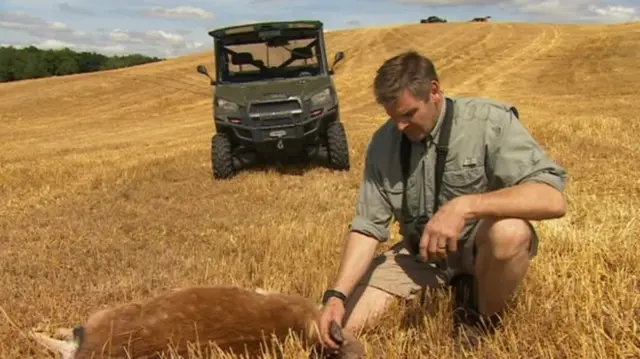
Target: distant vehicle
432,19
481,19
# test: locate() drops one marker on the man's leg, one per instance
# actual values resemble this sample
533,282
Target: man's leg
504,248
393,275
494,261
365,306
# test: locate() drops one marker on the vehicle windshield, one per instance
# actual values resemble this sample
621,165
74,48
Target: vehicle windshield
269,55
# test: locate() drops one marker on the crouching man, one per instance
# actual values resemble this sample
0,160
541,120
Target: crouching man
494,179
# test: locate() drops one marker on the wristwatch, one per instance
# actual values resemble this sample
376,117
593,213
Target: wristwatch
333,293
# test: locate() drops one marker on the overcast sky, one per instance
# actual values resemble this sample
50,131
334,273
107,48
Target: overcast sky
168,28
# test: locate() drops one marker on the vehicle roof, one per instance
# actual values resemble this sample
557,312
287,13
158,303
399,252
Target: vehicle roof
265,25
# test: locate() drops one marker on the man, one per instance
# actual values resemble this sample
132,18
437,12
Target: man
496,179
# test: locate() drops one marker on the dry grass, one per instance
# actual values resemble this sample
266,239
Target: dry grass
107,193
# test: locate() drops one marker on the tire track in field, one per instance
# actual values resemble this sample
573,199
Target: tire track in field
521,61
396,40
461,54
404,38
363,50
351,75
391,42
360,112
487,80
442,50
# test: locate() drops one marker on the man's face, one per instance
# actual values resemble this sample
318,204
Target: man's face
413,116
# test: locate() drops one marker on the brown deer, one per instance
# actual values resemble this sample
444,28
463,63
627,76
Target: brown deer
236,320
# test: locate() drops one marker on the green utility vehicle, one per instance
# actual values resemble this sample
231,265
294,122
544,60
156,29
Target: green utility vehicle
274,97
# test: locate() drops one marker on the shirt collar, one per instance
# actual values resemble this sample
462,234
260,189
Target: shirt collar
433,135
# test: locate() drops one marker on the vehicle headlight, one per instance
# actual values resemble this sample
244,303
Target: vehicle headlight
322,98
227,105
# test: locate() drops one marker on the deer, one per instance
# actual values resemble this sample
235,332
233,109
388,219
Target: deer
237,320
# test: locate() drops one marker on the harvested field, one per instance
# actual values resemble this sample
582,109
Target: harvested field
107,194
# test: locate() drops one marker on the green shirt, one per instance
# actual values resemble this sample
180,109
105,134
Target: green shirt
488,149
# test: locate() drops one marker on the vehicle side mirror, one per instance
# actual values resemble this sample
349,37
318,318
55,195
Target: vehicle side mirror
203,70
339,56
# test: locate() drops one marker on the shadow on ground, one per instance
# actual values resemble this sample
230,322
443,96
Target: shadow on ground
288,168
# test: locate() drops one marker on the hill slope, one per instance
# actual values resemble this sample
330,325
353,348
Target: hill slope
107,193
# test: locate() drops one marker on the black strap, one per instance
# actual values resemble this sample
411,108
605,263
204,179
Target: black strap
329,293
442,148
514,110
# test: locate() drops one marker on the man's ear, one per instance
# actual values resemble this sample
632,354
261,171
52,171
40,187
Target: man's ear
435,88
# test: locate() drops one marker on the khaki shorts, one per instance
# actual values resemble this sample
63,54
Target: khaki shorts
398,272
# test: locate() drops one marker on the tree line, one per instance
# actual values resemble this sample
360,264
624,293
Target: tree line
31,62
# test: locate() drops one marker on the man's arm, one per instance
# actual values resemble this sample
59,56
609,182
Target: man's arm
526,183
369,227
357,254
530,201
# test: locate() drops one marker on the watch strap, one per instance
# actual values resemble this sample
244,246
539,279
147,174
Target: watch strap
328,294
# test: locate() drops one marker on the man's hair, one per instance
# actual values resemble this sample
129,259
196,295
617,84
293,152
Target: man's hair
408,70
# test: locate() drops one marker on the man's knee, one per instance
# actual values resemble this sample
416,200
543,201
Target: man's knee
504,239
365,305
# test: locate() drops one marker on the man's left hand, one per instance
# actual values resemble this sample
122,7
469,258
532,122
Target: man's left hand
443,229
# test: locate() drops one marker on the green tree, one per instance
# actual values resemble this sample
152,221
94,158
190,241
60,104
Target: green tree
31,62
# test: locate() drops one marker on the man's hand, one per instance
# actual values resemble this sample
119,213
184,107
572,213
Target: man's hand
332,311
443,229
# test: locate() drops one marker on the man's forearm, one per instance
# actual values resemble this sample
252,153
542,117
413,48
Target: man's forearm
356,258
530,201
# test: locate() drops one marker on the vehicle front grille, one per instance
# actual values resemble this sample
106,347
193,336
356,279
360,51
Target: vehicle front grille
276,122
275,108
276,114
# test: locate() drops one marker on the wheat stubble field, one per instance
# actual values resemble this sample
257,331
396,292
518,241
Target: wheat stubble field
107,194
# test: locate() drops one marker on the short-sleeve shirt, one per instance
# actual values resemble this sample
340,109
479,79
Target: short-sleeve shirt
489,149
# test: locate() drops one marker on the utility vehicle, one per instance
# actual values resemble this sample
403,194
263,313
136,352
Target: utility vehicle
274,97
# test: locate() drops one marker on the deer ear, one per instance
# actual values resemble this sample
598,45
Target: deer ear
65,348
261,291
264,291
64,334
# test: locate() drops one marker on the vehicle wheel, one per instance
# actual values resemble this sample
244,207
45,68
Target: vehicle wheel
337,146
221,156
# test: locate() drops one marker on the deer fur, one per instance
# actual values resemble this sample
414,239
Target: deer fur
237,320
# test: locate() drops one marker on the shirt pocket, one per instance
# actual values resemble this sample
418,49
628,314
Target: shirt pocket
393,188
393,191
462,181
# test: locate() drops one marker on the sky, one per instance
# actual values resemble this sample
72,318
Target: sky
170,28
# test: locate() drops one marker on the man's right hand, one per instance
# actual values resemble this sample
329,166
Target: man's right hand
333,310
358,254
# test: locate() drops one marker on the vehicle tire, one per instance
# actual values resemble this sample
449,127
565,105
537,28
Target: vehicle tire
337,146
221,156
